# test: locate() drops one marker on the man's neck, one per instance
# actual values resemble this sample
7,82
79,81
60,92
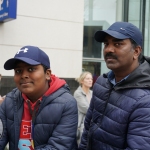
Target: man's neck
121,74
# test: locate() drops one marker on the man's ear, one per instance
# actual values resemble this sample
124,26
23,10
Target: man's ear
137,52
48,74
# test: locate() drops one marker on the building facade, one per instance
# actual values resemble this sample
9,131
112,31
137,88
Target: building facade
54,26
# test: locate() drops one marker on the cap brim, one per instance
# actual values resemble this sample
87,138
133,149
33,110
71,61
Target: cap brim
100,35
10,64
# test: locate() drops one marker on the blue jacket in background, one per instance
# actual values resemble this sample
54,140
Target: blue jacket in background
55,125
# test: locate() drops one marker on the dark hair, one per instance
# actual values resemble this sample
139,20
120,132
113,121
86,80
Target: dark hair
133,43
134,46
45,68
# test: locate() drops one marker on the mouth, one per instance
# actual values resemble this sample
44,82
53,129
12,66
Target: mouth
25,83
109,58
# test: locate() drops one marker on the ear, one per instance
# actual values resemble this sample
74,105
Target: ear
137,52
48,74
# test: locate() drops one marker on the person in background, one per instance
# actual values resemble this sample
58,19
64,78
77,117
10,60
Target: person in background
83,96
1,97
1,100
119,114
40,113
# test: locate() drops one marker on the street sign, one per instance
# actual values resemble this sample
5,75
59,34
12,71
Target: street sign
8,10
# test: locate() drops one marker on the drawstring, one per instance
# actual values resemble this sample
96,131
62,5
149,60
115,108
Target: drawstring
34,111
33,115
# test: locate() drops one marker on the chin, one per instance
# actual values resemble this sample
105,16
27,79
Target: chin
89,86
111,67
26,91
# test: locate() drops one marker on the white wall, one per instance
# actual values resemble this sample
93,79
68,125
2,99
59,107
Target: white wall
54,26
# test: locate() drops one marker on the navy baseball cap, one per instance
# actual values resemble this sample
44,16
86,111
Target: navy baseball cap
29,54
121,30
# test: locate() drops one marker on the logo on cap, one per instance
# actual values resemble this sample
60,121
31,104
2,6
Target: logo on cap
122,28
25,50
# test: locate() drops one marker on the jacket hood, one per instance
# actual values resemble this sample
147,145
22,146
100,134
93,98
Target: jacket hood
139,78
57,88
55,84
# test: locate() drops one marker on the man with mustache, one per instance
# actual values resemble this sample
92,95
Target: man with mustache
119,113
40,114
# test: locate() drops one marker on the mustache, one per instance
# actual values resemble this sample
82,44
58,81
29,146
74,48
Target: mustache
108,55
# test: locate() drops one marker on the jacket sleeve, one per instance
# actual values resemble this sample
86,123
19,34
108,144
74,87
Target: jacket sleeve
88,118
138,135
81,102
64,134
3,130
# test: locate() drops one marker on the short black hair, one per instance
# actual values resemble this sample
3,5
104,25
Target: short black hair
133,43
134,46
45,68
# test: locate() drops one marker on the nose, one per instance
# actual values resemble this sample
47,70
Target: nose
25,74
109,48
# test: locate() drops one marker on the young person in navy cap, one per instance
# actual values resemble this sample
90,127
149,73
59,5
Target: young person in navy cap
119,113
40,114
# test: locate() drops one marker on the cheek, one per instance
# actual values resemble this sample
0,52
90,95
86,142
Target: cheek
129,56
16,79
86,82
39,78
